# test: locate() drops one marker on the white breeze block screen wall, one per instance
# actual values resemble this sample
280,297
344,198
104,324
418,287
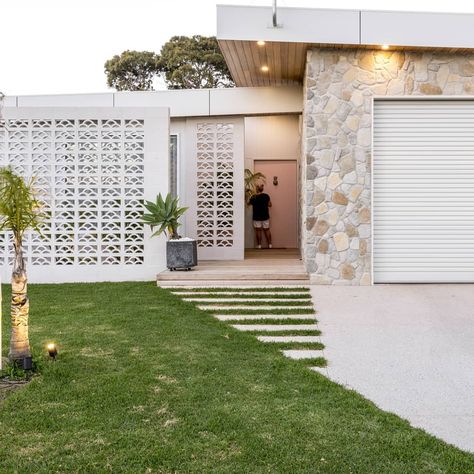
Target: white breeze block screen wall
215,187
94,168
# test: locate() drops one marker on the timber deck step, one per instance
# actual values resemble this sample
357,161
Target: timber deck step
202,275
270,267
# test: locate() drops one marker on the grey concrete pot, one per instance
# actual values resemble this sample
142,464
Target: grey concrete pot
181,254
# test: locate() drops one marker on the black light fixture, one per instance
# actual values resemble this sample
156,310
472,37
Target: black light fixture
27,363
52,350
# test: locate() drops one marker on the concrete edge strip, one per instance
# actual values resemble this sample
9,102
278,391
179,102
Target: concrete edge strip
275,327
236,307
256,317
298,354
278,339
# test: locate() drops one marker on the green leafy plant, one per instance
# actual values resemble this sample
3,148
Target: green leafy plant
164,214
20,210
14,372
132,71
251,180
185,62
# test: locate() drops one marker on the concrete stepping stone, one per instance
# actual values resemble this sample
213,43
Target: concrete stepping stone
289,339
245,284
277,294
247,307
275,327
320,370
246,300
299,354
256,317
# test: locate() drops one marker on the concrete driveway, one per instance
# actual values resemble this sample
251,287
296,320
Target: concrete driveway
408,348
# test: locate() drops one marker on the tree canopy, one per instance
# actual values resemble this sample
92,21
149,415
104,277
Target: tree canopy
185,62
132,71
194,62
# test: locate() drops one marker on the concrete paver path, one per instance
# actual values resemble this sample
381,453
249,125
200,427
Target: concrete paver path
408,348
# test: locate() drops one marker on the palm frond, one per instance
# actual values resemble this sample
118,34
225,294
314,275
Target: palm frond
20,205
164,215
250,180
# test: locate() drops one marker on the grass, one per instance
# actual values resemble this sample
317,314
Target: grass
315,362
145,382
291,332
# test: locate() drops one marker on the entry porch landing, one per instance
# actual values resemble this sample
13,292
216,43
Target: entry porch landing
260,267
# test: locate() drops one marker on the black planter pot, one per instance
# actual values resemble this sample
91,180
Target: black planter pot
181,254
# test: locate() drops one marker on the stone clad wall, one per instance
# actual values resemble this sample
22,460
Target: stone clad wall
337,140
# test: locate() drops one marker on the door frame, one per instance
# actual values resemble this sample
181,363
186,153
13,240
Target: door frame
298,190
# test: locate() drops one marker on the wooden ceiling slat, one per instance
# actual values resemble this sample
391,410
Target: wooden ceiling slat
285,73
301,60
270,63
277,62
230,60
248,60
291,61
260,56
238,60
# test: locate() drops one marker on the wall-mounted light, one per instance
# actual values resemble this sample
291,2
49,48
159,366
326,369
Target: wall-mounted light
261,43
52,350
264,69
385,47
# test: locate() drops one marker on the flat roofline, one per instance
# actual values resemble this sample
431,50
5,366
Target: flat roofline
283,7
259,54
182,103
346,26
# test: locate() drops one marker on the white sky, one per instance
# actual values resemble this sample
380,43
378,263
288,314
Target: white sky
60,46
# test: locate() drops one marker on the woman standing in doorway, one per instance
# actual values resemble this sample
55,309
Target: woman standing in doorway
261,217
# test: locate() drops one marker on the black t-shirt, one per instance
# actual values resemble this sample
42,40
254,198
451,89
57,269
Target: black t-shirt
260,206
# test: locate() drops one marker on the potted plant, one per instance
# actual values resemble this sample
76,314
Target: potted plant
164,214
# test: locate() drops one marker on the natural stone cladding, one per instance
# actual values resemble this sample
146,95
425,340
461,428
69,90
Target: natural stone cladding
337,141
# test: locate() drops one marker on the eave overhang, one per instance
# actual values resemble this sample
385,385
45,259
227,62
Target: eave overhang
259,54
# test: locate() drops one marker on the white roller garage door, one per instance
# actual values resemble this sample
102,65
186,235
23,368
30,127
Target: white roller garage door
423,191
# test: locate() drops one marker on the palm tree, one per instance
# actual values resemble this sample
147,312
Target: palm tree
20,210
250,181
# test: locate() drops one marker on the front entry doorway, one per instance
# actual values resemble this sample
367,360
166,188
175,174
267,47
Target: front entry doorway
282,187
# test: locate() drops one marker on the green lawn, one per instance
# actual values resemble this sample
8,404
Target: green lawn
147,383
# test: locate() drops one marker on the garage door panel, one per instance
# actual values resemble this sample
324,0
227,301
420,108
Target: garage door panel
423,191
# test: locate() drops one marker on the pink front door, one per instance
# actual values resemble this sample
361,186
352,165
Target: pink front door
282,187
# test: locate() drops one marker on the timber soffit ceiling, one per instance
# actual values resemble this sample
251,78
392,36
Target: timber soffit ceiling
259,54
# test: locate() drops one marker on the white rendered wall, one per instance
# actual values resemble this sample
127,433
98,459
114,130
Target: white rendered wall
181,103
274,137
94,166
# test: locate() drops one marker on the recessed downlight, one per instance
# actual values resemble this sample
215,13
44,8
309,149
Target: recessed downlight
261,43
264,69
385,46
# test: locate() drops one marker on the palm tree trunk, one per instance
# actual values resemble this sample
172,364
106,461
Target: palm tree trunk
19,341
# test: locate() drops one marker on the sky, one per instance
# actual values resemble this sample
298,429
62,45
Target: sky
60,46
